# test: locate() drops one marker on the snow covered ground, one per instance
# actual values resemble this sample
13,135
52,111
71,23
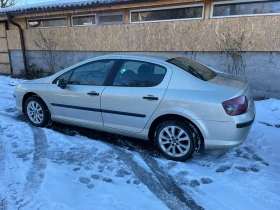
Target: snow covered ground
62,167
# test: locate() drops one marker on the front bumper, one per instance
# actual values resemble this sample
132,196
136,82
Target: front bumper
18,95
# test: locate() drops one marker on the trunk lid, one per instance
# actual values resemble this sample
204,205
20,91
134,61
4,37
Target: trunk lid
229,80
240,84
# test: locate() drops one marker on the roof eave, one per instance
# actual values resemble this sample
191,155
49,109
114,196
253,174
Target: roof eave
69,8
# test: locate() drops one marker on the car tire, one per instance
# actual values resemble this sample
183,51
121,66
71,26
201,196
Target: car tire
37,112
175,140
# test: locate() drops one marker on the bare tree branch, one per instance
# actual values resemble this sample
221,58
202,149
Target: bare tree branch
233,46
7,3
48,46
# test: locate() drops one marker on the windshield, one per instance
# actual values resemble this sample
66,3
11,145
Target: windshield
196,69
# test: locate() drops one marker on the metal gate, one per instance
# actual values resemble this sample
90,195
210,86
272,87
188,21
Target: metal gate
5,67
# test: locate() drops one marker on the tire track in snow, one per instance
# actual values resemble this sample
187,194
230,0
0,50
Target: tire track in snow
169,184
161,179
148,179
2,152
35,174
166,180
158,181
20,117
10,183
3,202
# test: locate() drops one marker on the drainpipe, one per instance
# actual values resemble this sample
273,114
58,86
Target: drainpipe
21,42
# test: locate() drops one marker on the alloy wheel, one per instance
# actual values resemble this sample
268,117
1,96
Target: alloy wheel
174,141
35,112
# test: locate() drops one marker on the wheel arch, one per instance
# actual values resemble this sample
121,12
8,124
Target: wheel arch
165,117
28,95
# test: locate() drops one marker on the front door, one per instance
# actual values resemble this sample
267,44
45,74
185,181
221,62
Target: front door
80,100
137,90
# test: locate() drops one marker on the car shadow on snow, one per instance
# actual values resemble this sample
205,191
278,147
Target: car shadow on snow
132,144
129,143
205,158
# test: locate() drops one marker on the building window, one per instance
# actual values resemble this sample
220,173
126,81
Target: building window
98,19
167,14
47,22
110,18
83,20
235,9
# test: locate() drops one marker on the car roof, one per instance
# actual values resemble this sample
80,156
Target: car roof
153,56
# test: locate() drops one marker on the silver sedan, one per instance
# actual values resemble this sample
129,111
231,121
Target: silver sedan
176,103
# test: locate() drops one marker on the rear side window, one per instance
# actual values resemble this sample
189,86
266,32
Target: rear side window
139,74
194,68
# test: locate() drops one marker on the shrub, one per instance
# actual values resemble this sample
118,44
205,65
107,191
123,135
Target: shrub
33,72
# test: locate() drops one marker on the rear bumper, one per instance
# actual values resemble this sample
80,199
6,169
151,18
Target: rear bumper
245,124
226,135
218,144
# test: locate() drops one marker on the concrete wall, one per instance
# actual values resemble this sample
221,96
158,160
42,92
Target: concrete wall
64,59
262,68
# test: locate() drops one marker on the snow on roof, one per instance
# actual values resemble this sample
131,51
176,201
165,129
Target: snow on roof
57,4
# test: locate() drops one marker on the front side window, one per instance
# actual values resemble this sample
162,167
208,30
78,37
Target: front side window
66,76
194,68
47,22
139,74
165,14
93,73
245,8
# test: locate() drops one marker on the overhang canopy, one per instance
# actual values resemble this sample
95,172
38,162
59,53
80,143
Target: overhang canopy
63,5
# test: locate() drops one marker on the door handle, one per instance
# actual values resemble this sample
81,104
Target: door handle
150,98
93,93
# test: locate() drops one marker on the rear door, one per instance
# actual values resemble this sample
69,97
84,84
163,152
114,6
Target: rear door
80,100
134,94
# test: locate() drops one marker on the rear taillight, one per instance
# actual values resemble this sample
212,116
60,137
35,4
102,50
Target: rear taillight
236,106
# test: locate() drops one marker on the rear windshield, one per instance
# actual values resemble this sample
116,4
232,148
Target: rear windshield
196,69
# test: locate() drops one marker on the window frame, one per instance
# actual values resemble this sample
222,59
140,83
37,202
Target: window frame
108,14
189,65
60,17
164,8
72,22
58,77
236,2
122,61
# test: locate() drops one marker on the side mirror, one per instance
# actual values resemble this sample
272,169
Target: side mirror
61,83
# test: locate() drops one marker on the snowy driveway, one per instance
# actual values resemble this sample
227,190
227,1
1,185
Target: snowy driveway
64,167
